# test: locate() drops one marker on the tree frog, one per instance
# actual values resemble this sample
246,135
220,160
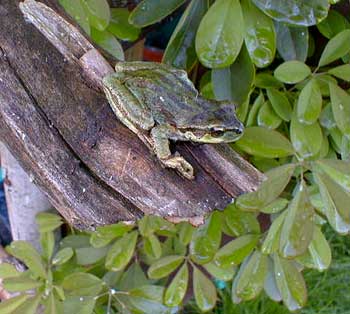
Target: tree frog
160,102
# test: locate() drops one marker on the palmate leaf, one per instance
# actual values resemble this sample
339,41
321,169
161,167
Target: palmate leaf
108,42
220,34
220,273
120,26
82,284
292,72
48,222
280,103
76,10
270,284
98,13
105,234
164,266
333,24
267,117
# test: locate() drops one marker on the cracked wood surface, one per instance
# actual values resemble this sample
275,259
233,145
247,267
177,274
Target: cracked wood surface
94,170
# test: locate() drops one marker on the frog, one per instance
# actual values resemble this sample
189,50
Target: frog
158,102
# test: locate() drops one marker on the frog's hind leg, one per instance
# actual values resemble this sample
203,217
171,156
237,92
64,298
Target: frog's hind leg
160,135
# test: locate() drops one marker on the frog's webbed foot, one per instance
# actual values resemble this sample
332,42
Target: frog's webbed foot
160,135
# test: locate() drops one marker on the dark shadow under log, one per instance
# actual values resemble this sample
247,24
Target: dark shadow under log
94,170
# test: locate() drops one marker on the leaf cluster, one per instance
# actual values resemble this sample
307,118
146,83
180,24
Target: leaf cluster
292,95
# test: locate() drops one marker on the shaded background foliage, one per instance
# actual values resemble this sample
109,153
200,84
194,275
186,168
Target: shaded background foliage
286,66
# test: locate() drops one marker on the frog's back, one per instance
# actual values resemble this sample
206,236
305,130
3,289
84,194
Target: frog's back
171,100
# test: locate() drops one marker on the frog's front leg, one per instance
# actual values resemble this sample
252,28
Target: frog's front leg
160,136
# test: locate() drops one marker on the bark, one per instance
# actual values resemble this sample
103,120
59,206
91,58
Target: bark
94,170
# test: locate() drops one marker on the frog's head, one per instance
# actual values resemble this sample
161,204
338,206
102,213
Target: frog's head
218,124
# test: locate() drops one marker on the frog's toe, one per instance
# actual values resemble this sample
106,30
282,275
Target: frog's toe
181,165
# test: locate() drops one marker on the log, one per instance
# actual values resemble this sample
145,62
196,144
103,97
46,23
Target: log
95,171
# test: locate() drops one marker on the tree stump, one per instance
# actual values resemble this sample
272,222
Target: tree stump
95,171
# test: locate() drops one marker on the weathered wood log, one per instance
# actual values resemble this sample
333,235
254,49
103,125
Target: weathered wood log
93,169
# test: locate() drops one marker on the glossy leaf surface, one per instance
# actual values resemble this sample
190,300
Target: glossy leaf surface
263,142
260,38
234,82
220,34
296,12
180,51
149,12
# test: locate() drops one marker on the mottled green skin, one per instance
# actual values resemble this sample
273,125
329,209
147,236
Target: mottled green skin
162,101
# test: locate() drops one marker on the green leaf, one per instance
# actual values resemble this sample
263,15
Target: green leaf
336,48
290,283
319,255
98,13
48,222
275,206
152,246
108,42
338,171
292,72
252,278
25,252
292,42
164,266
104,235
220,34
309,103
342,72
335,202
270,285
8,270
75,9
295,12
297,229
306,139
63,256
206,239
234,83
150,292
82,284
258,102
204,291
234,252
271,242
10,305
176,291
262,142
333,24
89,255
266,80
326,118
78,305
260,38
239,222
133,278
150,224
21,284
324,81
268,191
340,101
53,305
120,254
280,103
29,306
180,51
120,27
267,117
225,274
185,232
47,242
149,12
